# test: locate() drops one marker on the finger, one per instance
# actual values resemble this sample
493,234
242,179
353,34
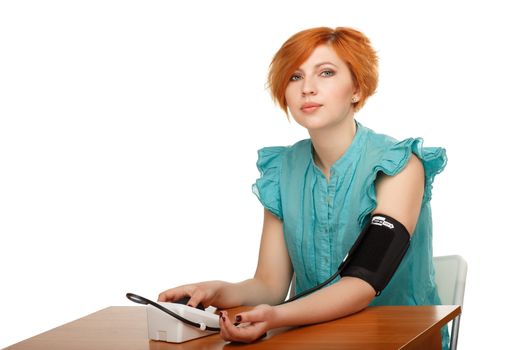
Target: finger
255,315
174,293
164,295
228,330
168,295
247,333
225,334
196,298
244,334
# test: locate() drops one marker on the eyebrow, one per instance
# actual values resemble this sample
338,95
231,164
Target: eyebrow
320,64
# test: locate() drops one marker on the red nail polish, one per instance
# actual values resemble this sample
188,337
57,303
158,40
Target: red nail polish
238,318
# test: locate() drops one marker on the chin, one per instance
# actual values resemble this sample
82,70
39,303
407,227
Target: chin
313,123
315,128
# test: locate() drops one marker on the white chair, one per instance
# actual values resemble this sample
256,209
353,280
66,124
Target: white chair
451,275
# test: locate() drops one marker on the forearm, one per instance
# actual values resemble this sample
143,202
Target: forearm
347,296
249,292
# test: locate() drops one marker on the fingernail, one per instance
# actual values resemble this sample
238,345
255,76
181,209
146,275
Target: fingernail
220,313
236,324
223,318
238,318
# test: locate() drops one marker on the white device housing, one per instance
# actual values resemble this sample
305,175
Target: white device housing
162,326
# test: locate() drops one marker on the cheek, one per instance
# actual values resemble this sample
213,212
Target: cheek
342,94
288,96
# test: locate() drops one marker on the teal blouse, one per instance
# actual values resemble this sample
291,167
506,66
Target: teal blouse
321,220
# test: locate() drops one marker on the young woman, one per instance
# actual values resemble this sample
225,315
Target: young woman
319,194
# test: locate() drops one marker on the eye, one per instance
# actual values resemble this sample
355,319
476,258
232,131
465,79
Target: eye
327,73
295,77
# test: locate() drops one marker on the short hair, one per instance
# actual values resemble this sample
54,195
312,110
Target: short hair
351,46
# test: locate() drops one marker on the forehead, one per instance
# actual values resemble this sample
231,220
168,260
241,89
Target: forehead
322,54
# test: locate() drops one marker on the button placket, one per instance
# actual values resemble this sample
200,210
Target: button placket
328,238
322,239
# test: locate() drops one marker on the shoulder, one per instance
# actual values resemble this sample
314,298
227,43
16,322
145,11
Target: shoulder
376,146
396,174
391,156
299,146
292,155
377,139
413,171
273,159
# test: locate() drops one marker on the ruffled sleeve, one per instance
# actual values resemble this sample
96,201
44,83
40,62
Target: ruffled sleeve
394,160
266,188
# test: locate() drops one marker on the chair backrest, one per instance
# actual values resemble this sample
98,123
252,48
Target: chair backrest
451,275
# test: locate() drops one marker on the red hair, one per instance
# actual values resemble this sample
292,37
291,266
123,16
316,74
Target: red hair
351,46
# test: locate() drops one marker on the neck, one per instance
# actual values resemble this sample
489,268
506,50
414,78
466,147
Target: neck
331,144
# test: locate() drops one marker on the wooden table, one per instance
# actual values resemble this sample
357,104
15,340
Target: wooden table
380,327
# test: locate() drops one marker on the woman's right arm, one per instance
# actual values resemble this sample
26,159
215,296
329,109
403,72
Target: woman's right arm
268,286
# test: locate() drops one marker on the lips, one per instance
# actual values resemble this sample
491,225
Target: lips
310,106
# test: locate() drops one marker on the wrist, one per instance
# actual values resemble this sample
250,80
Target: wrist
275,319
225,294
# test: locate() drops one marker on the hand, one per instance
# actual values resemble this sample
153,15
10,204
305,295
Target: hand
254,324
206,293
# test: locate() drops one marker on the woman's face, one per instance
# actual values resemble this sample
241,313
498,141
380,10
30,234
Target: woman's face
320,91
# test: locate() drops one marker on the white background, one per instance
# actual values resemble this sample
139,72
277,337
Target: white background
129,133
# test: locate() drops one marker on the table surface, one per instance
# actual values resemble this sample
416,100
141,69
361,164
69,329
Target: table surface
380,327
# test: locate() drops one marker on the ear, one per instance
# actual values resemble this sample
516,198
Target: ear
356,96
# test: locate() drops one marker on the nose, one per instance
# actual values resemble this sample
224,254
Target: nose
308,87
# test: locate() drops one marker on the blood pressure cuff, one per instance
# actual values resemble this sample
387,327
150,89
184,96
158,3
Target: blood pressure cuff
377,252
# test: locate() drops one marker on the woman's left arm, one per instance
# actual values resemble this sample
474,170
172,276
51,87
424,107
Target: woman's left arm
398,196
